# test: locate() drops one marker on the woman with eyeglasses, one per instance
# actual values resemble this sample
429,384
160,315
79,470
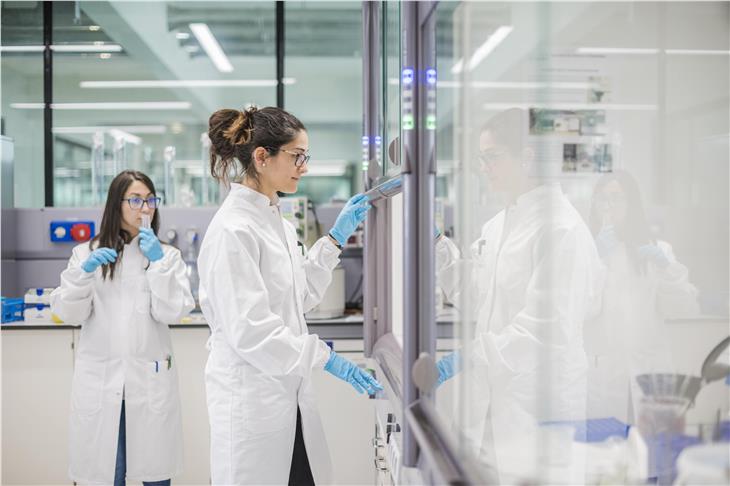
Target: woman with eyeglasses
645,283
124,287
255,286
533,277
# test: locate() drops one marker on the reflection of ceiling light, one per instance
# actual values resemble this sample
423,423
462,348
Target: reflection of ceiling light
186,83
133,105
121,134
326,170
156,129
569,106
96,47
176,128
94,28
182,35
212,47
515,85
104,55
698,52
648,51
614,50
288,81
192,48
485,49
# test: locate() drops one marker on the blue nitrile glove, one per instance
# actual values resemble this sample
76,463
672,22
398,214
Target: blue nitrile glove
606,241
350,217
448,366
653,254
98,257
348,371
150,245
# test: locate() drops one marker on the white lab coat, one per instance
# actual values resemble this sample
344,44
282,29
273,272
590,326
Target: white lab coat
255,286
629,336
124,332
533,277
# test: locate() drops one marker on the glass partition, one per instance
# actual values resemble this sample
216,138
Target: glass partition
583,150
138,85
22,86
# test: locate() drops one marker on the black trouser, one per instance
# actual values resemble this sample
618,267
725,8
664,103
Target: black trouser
300,474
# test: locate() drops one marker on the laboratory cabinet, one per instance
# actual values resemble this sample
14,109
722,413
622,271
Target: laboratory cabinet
37,368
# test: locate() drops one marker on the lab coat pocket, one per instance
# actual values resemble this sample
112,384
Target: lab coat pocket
87,386
161,382
263,403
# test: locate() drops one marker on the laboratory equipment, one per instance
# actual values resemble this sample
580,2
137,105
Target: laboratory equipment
12,309
97,168
38,306
169,176
294,210
683,386
146,221
704,464
191,261
71,231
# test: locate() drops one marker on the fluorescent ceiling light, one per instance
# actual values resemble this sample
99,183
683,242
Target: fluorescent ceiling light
211,47
22,48
649,51
182,35
97,47
134,105
570,106
485,49
87,48
121,134
190,83
150,129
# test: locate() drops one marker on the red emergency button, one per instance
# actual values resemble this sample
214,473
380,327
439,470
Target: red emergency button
81,232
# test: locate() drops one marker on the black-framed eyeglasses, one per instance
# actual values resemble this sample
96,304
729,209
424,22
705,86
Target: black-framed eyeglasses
299,160
137,202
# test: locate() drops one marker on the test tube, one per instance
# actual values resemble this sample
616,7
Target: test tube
146,221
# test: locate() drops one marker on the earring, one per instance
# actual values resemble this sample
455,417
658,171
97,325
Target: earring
263,165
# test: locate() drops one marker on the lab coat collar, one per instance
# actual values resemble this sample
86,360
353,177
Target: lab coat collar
254,197
539,193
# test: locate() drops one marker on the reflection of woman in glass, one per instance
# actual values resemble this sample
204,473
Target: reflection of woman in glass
533,276
644,283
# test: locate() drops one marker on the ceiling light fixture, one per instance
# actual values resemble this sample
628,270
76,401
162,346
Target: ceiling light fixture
212,47
133,105
481,53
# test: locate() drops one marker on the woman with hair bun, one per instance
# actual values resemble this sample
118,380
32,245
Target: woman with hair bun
255,286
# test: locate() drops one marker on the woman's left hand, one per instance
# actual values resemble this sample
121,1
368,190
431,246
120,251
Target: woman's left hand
150,245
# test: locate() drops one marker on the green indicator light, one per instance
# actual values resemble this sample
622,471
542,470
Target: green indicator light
408,122
431,122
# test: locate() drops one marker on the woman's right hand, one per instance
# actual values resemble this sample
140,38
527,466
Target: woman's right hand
98,257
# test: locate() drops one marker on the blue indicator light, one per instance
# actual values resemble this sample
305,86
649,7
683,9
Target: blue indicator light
365,140
407,75
378,140
431,76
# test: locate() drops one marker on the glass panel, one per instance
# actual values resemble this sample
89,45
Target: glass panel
391,88
22,84
589,256
323,79
134,88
